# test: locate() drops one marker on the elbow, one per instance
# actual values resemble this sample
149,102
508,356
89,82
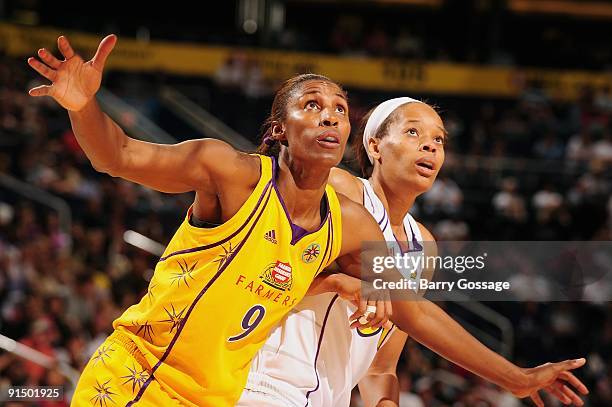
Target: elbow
113,171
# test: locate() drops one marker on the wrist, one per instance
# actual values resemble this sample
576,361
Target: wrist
86,107
516,379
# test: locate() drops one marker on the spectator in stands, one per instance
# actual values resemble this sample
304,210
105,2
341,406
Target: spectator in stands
602,148
444,197
508,203
549,147
579,149
408,45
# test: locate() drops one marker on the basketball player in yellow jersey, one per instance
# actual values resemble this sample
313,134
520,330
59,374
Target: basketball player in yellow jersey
259,230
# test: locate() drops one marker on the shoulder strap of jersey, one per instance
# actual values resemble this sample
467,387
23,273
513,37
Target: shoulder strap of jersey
411,224
335,222
266,168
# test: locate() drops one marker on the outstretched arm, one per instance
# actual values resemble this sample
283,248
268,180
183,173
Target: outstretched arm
431,326
188,166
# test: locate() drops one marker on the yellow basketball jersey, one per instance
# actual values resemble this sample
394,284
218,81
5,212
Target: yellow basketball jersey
217,292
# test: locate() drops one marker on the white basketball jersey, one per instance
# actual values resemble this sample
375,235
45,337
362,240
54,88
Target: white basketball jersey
313,358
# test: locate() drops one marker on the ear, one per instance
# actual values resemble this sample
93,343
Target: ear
373,148
278,132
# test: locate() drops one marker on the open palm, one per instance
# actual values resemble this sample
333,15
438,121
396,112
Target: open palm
74,82
553,378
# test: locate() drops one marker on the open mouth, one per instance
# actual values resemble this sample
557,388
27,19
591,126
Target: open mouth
425,167
425,163
329,139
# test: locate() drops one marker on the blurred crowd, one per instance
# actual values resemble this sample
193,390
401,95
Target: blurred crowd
530,169
470,31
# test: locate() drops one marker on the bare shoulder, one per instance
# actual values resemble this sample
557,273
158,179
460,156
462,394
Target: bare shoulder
225,164
351,210
228,160
357,225
346,183
228,178
427,236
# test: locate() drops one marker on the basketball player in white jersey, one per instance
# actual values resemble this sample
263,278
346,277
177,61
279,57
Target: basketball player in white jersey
314,358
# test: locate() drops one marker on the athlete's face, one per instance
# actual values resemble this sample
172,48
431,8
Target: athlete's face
316,125
412,152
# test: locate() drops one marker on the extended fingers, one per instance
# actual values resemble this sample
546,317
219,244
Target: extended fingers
570,364
64,47
48,58
43,90
537,399
558,394
104,49
569,393
42,69
574,381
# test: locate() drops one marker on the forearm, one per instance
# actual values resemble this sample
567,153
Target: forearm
431,326
379,390
325,282
98,135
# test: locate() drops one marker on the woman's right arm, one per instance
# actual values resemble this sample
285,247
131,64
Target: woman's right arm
192,165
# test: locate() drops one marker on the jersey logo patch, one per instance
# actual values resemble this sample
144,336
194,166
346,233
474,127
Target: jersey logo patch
278,275
270,236
311,253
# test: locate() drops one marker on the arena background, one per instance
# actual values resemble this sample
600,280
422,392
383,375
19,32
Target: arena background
524,88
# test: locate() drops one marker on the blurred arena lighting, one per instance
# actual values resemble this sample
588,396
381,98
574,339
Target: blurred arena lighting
251,15
144,243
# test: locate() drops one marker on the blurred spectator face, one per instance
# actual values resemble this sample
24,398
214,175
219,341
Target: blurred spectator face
56,306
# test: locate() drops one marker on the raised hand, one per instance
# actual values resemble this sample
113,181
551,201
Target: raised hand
553,378
74,82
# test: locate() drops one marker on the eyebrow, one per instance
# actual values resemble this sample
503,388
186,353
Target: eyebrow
440,127
319,92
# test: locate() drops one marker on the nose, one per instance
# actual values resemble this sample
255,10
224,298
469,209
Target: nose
328,119
427,146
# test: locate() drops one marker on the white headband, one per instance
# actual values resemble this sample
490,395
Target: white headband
379,115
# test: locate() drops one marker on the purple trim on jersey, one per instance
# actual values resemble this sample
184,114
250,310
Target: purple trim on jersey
193,304
365,193
398,243
365,189
416,245
296,234
385,227
331,238
319,346
327,245
206,247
